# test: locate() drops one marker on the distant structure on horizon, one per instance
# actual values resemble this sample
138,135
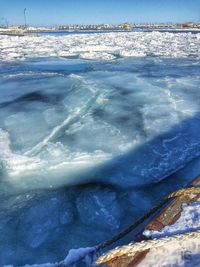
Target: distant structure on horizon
127,26
24,29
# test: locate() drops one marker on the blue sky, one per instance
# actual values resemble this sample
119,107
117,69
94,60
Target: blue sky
56,12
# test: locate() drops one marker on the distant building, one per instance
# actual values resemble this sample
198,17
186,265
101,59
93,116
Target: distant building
185,25
126,26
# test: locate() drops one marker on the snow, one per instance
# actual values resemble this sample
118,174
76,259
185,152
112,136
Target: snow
184,253
189,220
74,257
101,46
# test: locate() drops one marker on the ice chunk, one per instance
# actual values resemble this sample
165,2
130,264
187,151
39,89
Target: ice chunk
97,56
100,208
40,220
75,255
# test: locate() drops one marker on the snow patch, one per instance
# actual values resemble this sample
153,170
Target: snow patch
189,220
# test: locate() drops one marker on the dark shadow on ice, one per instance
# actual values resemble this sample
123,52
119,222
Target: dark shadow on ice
32,97
155,160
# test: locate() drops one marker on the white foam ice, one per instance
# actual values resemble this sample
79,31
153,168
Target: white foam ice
31,74
101,46
51,167
97,56
14,163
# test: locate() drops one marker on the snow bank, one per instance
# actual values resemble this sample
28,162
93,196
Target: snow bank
101,46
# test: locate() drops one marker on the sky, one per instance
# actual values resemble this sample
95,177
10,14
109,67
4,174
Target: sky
60,12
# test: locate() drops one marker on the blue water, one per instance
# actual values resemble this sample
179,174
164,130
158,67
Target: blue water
88,146
59,33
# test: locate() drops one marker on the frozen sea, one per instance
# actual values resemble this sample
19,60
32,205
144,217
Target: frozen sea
91,140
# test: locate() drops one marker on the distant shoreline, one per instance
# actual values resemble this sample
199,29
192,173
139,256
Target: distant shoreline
142,29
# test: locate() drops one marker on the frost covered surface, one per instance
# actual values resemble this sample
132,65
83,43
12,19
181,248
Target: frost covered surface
184,253
101,46
100,134
189,221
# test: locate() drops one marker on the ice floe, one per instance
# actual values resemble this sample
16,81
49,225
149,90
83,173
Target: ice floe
101,46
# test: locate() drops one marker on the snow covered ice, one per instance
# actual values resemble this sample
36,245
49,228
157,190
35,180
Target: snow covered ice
101,46
93,132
